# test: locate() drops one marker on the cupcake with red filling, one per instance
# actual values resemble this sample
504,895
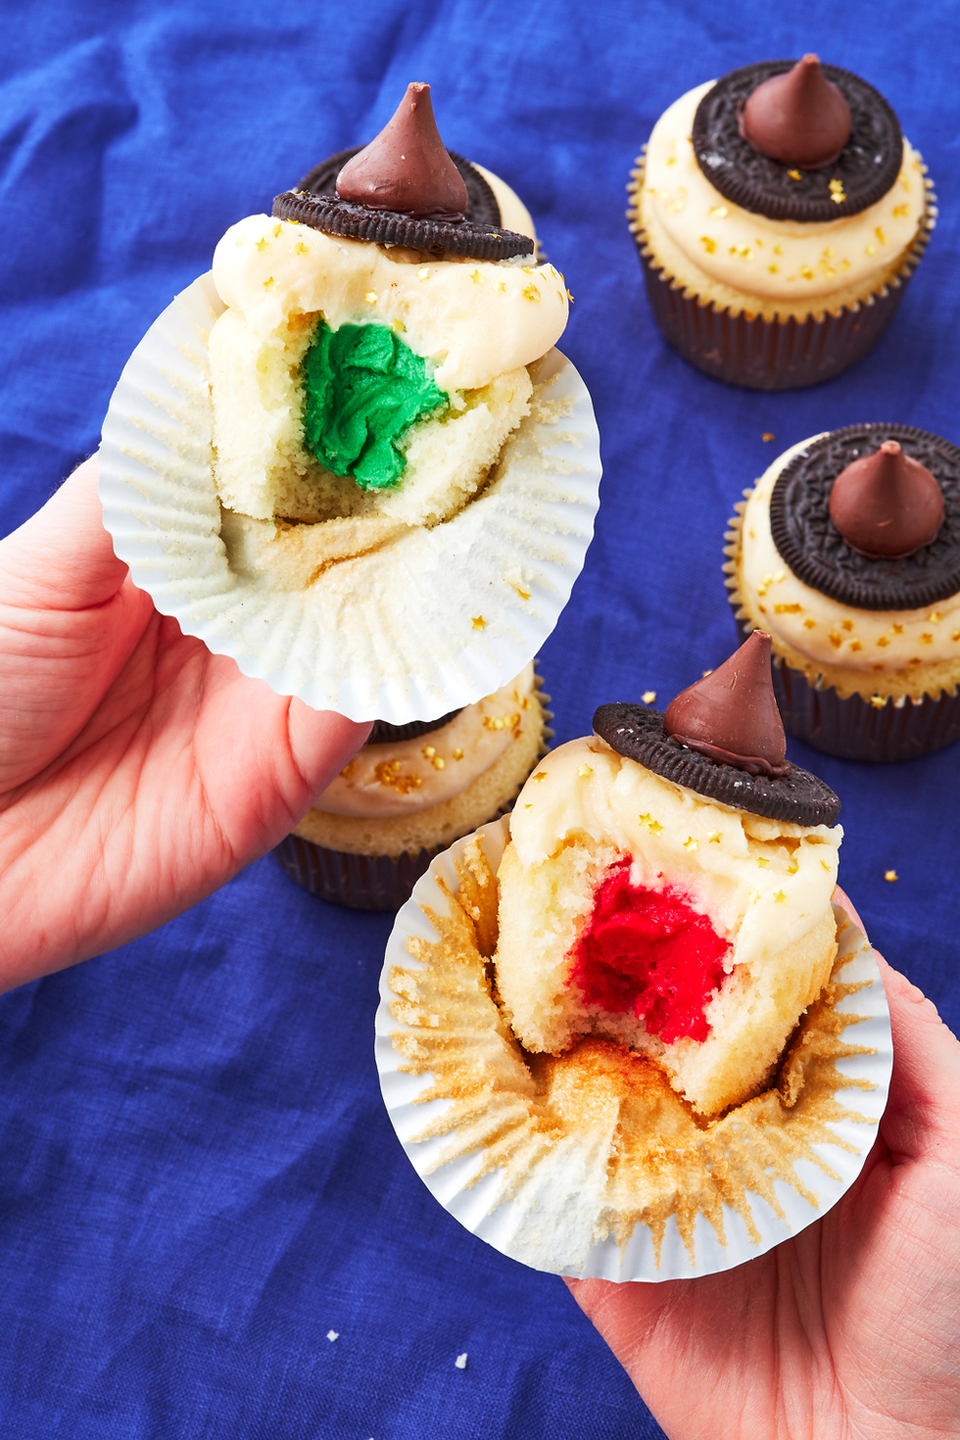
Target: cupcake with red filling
779,213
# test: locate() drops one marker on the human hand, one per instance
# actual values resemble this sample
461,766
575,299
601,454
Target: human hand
138,772
850,1329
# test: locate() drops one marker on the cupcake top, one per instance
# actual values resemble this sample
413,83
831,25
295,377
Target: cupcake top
850,548
795,233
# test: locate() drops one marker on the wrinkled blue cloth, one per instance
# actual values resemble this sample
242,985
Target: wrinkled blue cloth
198,1184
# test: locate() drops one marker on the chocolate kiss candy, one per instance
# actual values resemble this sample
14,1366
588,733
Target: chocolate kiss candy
406,168
886,505
799,118
731,714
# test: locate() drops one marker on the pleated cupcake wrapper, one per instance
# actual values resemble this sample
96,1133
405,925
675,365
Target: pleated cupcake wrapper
432,622
874,728
770,354
556,1218
376,882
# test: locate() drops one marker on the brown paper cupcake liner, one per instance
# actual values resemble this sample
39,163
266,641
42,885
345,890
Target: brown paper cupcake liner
769,354
875,728
378,882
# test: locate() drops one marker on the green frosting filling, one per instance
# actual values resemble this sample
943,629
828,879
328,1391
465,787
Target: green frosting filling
364,388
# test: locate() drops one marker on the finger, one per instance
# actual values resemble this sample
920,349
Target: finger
923,1113
840,897
62,558
321,743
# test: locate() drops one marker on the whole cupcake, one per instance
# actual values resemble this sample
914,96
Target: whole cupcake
778,213
412,790
847,552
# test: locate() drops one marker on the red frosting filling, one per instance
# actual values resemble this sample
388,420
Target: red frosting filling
648,953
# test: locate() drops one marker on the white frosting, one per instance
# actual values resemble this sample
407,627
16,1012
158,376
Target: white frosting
763,883
472,319
514,215
777,259
403,777
824,629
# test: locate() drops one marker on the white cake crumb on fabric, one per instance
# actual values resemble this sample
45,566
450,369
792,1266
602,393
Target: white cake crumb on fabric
461,1361
333,1334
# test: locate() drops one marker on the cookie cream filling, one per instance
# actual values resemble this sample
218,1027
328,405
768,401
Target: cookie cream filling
774,259
471,319
405,776
763,883
824,630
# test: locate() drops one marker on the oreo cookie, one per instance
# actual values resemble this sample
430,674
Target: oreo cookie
383,733
862,173
810,544
390,227
636,732
482,208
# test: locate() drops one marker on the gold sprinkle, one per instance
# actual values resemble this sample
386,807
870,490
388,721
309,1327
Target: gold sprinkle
828,252
675,204
809,623
955,635
794,866
837,192
300,248
690,843
270,284
794,174
897,629
846,624
644,819
926,638
654,827
262,244
527,269
774,269
540,775
528,807
934,617
884,641
877,701
423,273
826,269
399,325
757,241
479,623
779,897
780,575
767,436
788,609
429,751
753,533
438,762
880,235
778,249
806,272
890,875
476,277
901,210
705,673
671,160
835,640
855,645
530,292
524,594
825,865
720,211
648,697
458,753
905,183
388,773
569,296
871,250
762,609
371,297
276,231
708,244
763,861
844,264
714,837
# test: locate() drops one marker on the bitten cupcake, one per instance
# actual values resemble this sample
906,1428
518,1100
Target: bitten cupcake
779,213
412,790
634,1003
847,552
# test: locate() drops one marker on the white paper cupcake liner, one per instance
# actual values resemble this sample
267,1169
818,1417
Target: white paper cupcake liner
551,1220
433,621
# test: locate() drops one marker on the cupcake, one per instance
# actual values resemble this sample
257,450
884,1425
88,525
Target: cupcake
412,790
351,458
635,1003
778,213
847,552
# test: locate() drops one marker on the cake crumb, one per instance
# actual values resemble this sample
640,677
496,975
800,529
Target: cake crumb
648,697
767,436
333,1334
890,875
461,1361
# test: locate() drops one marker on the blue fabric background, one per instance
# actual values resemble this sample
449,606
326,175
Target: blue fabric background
197,1179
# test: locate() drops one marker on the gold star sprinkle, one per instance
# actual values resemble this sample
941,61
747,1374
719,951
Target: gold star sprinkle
809,623
763,861
300,248
901,210
584,771
880,235
423,273
530,292
870,250
690,843
708,244
648,697
528,807
897,629
371,297
794,174
476,277
399,325
719,211
794,866
890,875
934,617
714,837
654,827
824,864
794,609
569,297
883,641
855,645
806,272
262,244
877,701
270,284
926,639
846,624
458,753
644,819
780,897
837,192
767,436
479,623
540,775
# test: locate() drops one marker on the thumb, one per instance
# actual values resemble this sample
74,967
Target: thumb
321,743
923,1113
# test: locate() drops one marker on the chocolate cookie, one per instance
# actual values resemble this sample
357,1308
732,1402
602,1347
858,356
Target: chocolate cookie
390,227
383,733
862,173
482,209
810,544
636,732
